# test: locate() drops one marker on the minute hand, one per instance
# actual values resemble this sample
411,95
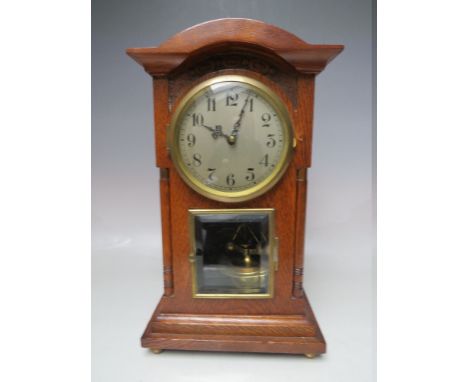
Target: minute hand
235,129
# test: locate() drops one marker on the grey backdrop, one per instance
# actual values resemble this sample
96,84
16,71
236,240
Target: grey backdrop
339,264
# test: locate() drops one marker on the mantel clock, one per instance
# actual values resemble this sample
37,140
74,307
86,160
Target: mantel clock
233,105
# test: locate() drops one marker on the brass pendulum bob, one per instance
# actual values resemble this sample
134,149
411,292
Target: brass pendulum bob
245,271
247,259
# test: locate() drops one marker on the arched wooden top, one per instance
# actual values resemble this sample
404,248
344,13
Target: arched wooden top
233,30
222,34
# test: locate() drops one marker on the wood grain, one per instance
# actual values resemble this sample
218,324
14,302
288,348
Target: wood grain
286,64
293,334
168,271
224,34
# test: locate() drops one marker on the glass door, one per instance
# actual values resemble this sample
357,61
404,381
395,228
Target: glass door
233,253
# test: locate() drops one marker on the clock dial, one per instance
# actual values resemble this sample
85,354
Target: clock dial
231,138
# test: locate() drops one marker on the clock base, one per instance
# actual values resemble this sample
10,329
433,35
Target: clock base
293,334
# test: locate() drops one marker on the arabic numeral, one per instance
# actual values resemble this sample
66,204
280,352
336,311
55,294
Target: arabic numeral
191,139
196,160
230,181
251,108
211,104
266,118
264,160
271,142
250,174
211,174
231,99
197,119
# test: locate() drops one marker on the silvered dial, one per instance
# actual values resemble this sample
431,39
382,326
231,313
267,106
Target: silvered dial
232,139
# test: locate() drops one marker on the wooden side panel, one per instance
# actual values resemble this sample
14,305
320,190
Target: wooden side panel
168,271
298,269
161,121
304,120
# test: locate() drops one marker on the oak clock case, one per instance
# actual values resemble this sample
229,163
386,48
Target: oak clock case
233,103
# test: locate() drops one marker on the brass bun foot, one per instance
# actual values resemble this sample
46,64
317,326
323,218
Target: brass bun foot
310,355
156,351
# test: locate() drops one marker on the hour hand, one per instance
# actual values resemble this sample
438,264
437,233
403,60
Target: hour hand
216,131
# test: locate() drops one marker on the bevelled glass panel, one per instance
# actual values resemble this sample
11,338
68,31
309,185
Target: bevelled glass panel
232,252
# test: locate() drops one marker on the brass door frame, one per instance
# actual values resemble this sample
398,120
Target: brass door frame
272,250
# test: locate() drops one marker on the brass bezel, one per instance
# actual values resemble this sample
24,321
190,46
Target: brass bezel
272,251
258,189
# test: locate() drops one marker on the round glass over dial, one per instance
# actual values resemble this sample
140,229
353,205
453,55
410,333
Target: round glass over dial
231,138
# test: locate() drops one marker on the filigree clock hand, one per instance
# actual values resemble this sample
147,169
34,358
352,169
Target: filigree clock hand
233,136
